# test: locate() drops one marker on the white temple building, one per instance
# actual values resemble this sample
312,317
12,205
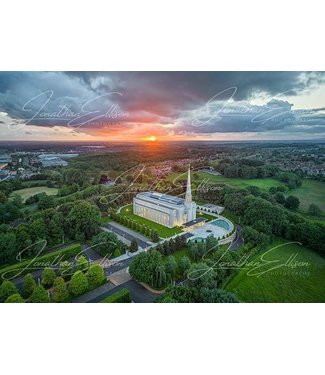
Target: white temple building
166,209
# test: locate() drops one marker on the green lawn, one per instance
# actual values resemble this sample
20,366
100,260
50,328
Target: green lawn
105,219
162,230
178,254
303,283
263,183
310,192
29,192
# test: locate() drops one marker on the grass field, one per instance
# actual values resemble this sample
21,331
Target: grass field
263,183
163,231
310,192
289,282
29,192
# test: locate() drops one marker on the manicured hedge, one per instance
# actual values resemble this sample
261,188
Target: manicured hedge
122,296
48,259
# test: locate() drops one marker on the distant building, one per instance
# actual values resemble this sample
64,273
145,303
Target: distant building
5,158
55,160
166,209
211,208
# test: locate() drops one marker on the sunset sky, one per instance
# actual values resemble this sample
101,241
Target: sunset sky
166,106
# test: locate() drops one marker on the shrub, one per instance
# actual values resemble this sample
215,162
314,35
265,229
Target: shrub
7,289
65,268
60,291
95,275
48,277
29,285
25,266
134,246
122,296
39,295
82,263
78,284
15,298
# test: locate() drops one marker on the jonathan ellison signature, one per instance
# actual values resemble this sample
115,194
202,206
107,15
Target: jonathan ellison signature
258,267
37,263
91,112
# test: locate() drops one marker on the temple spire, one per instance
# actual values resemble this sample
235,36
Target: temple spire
188,195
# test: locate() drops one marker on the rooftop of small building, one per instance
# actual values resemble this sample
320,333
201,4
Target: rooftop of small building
162,197
194,222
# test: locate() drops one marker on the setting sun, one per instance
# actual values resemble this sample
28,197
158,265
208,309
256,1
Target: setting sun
152,138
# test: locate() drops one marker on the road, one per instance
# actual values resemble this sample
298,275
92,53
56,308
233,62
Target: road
138,293
239,241
127,234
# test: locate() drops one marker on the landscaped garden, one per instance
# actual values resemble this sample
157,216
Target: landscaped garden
163,231
59,282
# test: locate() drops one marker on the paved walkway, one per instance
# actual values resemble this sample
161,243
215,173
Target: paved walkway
93,294
120,277
138,293
127,234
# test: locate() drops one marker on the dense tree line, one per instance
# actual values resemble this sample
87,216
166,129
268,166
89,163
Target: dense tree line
247,169
54,287
172,245
136,226
78,221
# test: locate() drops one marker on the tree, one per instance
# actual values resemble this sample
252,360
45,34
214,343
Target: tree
95,275
46,202
279,197
179,294
292,202
82,263
48,277
15,298
105,243
7,289
29,285
314,210
65,268
3,197
133,246
166,247
84,221
254,237
184,264
217,296
78,284
60,292
264,216
39,295
155,236
171,266
160,276
172,245
200,275
211,243
143,266
194,251
254,190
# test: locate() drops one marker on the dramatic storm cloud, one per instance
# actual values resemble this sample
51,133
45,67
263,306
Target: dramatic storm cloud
171,105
